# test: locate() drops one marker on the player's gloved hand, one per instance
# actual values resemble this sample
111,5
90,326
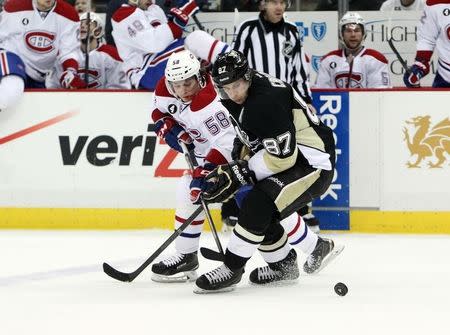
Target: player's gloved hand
222,183
240,150
419,70
71,79
198,181
169,130
180,16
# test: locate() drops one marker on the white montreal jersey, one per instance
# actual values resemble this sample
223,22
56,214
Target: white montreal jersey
369,69
105,69
434,34
391,5
138,33
39,40
204,118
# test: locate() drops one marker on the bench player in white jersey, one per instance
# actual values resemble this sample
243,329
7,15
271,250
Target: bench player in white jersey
355,66
42,33
106,69
145,39
391,5
187,107
433,34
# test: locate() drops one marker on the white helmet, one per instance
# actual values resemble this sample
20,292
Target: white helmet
99,30
181,66
351,18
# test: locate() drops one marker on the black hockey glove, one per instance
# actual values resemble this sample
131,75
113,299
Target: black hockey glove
223,182
240,150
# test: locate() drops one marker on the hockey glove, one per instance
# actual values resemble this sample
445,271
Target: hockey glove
198,181
180,16
226,180
240,150
416,72
171,132
71,79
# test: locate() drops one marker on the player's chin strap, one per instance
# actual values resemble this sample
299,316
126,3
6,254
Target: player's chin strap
192,163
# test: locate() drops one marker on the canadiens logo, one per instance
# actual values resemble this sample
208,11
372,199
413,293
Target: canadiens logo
426,142
448,31
40,41
346,80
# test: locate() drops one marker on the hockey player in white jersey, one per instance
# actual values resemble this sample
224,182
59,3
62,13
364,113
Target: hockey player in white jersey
355,66
187,108
396,5
145,38
433,34
106,69
42,33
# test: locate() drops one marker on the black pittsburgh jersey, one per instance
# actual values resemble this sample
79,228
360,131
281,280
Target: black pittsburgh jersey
280,130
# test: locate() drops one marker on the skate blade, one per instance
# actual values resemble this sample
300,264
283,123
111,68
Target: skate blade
199,290
182,277
328,258
280,283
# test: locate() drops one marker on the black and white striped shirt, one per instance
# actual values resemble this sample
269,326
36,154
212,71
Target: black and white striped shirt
275,49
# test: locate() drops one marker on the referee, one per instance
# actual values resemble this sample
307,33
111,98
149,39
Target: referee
273,46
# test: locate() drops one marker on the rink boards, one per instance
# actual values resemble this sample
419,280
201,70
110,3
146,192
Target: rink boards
91,161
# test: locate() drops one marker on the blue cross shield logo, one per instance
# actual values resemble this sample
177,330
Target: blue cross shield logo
315,62
318,30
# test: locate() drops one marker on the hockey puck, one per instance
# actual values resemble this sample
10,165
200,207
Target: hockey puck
341,289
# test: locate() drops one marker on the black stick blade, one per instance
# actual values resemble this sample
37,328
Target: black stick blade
212,255
113,273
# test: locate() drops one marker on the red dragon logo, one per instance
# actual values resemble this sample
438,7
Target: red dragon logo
40,41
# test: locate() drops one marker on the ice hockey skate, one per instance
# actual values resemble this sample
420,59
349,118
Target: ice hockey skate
285,271
221,279
324,252
176,269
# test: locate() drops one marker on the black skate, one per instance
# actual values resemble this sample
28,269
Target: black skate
221,279
324,252
284,270
176,268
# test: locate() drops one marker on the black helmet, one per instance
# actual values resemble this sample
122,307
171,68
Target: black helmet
230,67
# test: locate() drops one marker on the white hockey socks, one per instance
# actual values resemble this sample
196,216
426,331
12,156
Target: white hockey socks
299,234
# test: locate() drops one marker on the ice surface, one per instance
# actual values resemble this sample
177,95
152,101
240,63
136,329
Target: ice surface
51,282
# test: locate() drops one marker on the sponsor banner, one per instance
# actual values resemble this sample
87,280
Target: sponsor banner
415,151
332,209
85,150
318,30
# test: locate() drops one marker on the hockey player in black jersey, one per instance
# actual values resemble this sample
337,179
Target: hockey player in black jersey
292,157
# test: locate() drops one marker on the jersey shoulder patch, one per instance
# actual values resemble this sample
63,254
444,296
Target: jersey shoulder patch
161,89
64,9
13,6
337,53
111,51
122,13
375,54
205,96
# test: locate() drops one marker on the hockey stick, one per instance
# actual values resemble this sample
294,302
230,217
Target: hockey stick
130,276
192,162
397,54
86,61
197,22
